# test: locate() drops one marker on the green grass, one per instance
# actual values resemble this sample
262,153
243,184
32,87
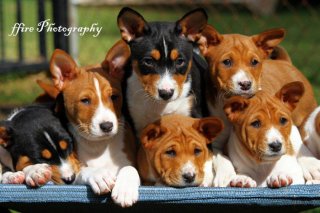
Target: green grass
301,40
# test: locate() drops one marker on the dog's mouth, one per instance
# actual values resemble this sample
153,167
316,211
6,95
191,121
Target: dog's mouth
89,135
271,157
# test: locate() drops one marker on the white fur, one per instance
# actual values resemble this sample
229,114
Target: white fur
166,82
223,169
49,139
273,135
312,138
145,110
188,168
37,172
13,177
165,47
240,76
14,113
66,170
208,174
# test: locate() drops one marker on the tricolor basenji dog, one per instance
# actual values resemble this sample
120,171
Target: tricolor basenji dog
264,141
166,73
104,142
174,151
241,65
36,147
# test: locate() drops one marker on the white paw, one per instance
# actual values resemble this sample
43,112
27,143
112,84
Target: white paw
311,182
38,174
243,181
13,177
224,171
310,167
126,190
101,181
279,180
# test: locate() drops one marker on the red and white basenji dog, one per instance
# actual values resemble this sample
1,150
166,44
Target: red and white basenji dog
104,142
174,151
241,65
264,141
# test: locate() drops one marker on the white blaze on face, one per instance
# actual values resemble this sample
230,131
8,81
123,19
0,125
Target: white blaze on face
165,47
66,170
102,114
240,76
188,168
167,83
273,135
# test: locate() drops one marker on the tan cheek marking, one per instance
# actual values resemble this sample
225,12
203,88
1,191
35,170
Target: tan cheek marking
46,154
155,54
23,162
63,145
174,54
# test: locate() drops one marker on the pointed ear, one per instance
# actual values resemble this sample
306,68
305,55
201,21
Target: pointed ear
209,127
209,37
269,39
131,24
290,94
234,106
116,59
150,134
5,134
63,68
192,24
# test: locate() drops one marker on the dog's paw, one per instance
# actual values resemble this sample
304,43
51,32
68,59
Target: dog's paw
311,182
279,180
101,181
13,177
126,190
310,167
224,171
243,181
37,175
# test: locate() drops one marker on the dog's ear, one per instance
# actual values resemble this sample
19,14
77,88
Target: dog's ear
131,24
50,92
209,127
116,59
150,134
234,106
290,94
63,68
269,39
192,24
209,37
5,134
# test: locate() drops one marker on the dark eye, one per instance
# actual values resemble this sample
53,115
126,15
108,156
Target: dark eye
256,124
86,101
197,151
254,62
283,121
171,153
114,97
227,62
180,62
148,61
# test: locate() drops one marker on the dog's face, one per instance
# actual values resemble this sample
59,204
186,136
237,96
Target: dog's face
235,60
177,148
92,95
263,123
161,53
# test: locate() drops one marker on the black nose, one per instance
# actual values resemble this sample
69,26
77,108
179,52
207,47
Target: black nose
245,85
165,94
189,177
106,126
69,180
275,146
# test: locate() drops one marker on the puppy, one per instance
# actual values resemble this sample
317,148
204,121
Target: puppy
166,73
264,141
105,146
174,151
35,143
311,132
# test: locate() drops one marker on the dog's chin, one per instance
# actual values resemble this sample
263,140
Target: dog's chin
271,157
181,184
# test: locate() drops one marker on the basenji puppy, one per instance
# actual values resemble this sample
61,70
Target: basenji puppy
311,132
166,73
36,147
104,142
242,65
264,141
174,151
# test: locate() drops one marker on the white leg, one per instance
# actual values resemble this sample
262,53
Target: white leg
223,169
208,174
13,177
38,174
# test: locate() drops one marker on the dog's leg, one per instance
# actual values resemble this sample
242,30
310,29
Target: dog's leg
223,169
243,181
126,189
37,174
208,174
13,177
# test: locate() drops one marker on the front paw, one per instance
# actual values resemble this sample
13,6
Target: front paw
13,177
311,168
279,180
101,181
243,181
38,174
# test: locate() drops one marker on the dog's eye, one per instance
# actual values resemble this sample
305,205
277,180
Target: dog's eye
114,97
256,124
197,151
180,62
254,62
171,153
148,61
86,101
283,121
227,62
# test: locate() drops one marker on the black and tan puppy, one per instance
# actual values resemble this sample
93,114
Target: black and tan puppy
166,72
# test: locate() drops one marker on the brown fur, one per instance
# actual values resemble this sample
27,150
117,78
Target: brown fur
46,154
155,54
174,54
317,123
23,162
63,145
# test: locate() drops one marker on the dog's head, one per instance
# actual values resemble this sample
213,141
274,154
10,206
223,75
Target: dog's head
263,123
92,95
176,147
161,52
235,61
